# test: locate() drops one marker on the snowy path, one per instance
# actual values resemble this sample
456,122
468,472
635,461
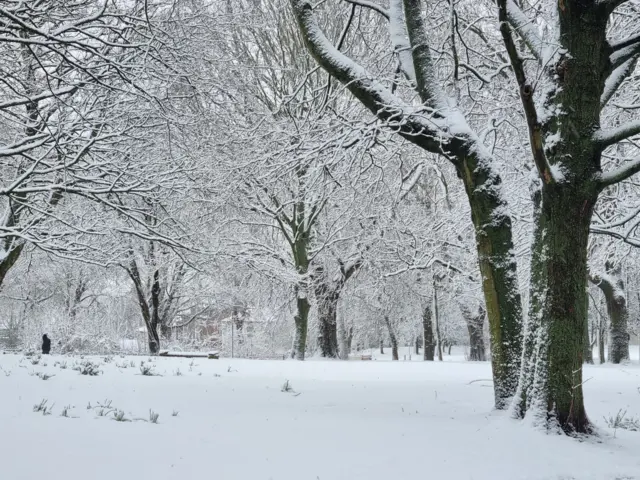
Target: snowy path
351,420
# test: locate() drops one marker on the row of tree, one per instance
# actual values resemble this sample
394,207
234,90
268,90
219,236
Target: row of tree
332,154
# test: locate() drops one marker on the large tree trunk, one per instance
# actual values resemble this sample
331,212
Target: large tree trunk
427,333
498,269
327,295
612,287
301,320
436,315
601,336
345,341
475,324
392,338
551,380
588,347
327,321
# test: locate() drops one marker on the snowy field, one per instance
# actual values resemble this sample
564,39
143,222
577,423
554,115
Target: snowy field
341,421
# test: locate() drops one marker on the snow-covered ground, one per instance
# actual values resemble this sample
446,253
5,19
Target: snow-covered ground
343,420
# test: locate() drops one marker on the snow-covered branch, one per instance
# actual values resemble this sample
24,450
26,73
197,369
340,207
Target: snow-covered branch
399,39
423,130
426,84
619,174
608,137
617,78
525,28
370,5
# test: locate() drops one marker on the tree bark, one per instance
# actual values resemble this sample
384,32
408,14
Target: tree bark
612,287
494,243
551,379
475,324
392,338
327,321
601,336
327,295
588,347
301,321
436,315
427,333
345,341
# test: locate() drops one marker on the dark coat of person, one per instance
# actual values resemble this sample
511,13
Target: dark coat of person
46,344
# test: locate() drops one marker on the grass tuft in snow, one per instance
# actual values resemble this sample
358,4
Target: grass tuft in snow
153,416
42,407
177,373
43,376
104,409
147,370
65,411
286,387
621,421
119,416
174,413
88,368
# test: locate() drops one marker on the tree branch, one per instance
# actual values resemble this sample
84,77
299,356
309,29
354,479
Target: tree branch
526,93
399,36
521,24
426,84
370,5
620,44
414,124
606,138
619,174
617,77
618,57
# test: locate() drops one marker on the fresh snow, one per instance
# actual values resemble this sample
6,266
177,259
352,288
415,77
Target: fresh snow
342,421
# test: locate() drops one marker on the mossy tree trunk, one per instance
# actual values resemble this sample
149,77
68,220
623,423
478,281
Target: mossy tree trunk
301,320
393,338
552,371
475,325
427,334
327,294
494,242
612,287
436,316
328,323
588,346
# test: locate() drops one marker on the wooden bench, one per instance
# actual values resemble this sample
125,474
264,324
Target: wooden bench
210,355
366,357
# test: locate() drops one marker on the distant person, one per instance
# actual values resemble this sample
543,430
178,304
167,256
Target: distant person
46,345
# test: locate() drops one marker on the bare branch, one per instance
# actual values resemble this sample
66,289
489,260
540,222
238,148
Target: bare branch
526,94
617,78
